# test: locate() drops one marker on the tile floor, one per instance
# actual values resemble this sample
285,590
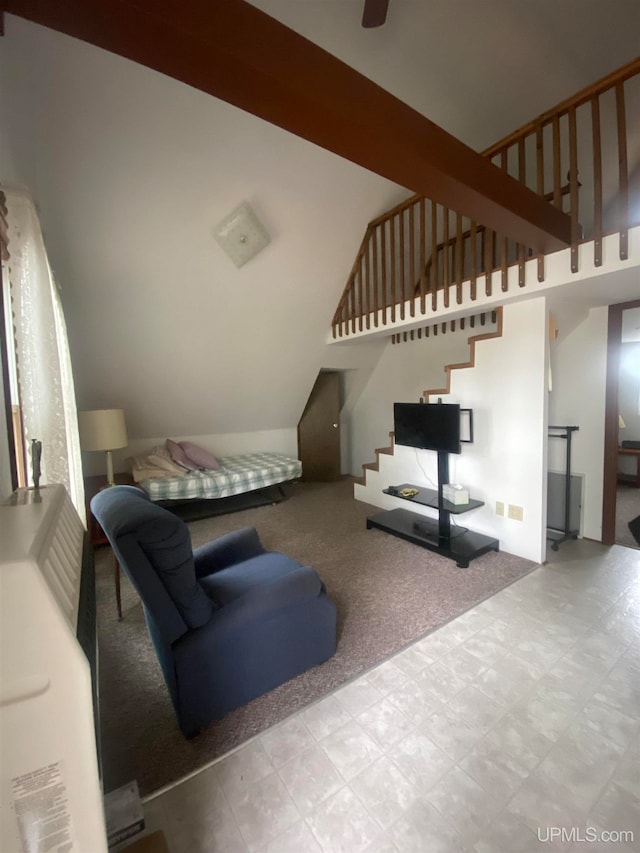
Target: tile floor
516,727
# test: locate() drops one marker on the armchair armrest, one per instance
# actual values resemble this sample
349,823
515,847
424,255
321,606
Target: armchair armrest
234,547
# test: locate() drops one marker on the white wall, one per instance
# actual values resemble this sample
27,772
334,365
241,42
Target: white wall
275,441
578,369
507,461
403,373
133,172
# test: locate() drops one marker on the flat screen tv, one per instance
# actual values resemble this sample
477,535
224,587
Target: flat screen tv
427,426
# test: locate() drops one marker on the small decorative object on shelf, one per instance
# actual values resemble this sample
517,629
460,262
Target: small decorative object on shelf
409,493
455,493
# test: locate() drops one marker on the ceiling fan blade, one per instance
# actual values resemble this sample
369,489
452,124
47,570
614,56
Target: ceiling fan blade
374,13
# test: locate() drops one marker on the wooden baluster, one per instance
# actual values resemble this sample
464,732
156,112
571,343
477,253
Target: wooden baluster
504,165
540,186
459,258
434,256
385,278
522,177
343,316
623,173
412,262
347,300
401,264
352,300
573,184
474,260
597,181
423,254
488,259
343,309
557,196
335,321
374,275
445,258
367,277
392,262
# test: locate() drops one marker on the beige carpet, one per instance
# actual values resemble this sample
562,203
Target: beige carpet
388,593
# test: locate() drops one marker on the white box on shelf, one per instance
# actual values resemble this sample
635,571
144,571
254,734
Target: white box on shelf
455,493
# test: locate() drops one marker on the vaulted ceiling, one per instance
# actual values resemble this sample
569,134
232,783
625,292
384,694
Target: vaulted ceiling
132,171
238,53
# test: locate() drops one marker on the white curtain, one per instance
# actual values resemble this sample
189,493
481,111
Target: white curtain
45,379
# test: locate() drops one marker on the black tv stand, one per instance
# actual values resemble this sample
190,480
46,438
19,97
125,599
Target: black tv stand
435,535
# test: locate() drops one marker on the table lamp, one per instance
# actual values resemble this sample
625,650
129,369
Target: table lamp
103,429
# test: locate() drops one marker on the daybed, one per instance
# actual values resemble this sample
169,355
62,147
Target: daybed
234,475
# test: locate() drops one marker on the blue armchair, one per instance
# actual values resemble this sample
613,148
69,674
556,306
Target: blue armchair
229,620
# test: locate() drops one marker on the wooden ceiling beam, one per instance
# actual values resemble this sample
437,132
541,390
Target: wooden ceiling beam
237,53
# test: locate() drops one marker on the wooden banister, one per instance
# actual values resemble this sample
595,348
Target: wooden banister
420,247
626,72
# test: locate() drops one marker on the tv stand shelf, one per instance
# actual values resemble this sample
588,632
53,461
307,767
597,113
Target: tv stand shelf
429,497
434,534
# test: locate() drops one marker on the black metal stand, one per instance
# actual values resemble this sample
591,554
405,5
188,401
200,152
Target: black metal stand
557,537
429,533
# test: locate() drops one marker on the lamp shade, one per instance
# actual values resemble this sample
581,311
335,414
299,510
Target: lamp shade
102,429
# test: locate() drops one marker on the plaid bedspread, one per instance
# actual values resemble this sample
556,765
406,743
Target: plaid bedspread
236,474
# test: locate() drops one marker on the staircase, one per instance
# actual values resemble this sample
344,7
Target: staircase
432,392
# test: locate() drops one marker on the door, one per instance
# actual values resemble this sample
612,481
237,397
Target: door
319,430
612,423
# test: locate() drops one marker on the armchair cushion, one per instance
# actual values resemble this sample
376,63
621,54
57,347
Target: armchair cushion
256,575
227,550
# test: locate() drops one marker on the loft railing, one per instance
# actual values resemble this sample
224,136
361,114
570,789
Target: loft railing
582,156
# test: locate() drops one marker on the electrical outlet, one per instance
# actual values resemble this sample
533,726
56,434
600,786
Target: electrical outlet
499,508
516,512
